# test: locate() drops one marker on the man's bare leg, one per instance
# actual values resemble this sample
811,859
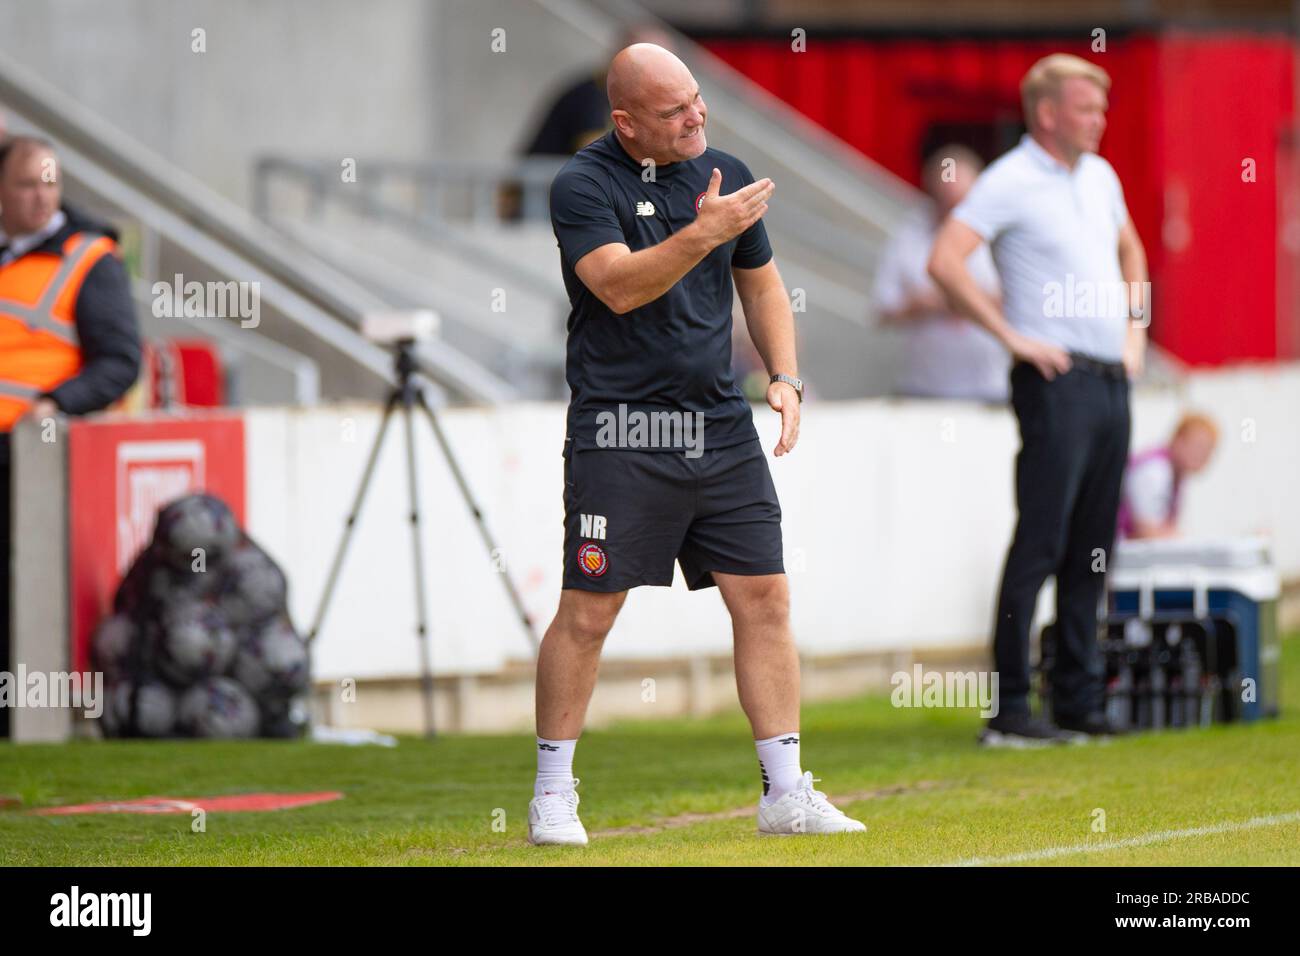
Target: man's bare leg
767,663
569,660
767,677
567,665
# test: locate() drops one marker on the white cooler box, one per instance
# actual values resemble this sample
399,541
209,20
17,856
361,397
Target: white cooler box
1168,598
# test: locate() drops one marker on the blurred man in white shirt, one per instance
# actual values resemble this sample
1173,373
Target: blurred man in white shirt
946,354
1074,280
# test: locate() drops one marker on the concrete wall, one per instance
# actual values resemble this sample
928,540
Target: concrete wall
311,78
314,79
896,519
491,102
39,601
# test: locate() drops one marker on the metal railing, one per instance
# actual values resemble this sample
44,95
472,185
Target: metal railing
326,307
438,196
301,374
426,200
443,190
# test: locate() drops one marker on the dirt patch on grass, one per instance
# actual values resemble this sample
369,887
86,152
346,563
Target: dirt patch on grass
739,813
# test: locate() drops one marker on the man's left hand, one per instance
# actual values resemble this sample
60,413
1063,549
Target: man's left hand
784,399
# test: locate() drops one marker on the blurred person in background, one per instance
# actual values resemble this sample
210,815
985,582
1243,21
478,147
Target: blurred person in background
1055,215
1154,479
946,354
69,341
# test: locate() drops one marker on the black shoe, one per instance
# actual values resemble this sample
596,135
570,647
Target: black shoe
1021,731
1094,725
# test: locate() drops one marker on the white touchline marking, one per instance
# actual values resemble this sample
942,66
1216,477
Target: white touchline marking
1160,836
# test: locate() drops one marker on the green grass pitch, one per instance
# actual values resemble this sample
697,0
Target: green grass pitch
684,792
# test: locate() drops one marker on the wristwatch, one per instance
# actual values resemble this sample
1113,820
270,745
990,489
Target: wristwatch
797,383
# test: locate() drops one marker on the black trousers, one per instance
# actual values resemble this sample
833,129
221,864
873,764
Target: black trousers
1074,433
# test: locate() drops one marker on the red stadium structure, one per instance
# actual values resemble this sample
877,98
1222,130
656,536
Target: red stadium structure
1189,113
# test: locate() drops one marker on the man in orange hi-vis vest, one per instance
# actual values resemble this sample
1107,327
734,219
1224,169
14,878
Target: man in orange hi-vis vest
69,340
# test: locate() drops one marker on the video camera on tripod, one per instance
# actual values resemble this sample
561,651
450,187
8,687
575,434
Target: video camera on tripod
402,331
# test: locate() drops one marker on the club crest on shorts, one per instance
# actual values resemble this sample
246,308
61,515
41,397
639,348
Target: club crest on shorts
593,560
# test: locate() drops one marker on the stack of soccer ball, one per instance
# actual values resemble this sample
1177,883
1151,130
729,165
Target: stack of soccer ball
200,643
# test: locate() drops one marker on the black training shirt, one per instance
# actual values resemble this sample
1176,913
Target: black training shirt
672,354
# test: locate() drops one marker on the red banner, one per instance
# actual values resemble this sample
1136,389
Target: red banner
119,474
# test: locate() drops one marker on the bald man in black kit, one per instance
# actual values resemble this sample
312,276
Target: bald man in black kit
662,461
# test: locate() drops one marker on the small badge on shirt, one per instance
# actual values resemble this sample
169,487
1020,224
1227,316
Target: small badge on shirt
699,200
592,560
645,208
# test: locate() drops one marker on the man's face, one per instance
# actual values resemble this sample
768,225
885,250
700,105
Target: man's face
947,195
29,190
1078,116
1192,450
668,123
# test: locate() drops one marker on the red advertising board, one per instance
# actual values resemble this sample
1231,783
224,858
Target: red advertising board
120,472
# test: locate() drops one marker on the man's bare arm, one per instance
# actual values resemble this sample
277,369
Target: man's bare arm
1154,529
919,305
1133,267
625,280
768,316
770,321
947,267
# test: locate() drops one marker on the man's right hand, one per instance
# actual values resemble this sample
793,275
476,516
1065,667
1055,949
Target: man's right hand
1050,360
723,218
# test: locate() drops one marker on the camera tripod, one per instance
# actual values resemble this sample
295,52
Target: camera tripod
409,395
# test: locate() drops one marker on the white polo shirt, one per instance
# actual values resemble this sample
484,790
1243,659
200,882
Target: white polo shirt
1055,238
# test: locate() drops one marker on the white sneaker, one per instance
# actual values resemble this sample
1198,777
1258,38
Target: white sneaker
805,810
553,818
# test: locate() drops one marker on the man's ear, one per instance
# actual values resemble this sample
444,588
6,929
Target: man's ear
1045,111
623,122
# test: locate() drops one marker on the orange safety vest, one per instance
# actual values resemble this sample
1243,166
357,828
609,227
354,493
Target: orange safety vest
38,326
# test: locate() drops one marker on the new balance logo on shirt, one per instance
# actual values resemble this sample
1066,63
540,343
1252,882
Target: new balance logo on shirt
645,208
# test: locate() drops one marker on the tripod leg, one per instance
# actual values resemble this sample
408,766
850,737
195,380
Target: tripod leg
515,600
422,629
351,523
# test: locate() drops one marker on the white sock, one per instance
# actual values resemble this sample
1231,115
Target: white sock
554,765
778,760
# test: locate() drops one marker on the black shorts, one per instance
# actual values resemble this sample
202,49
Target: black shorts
629,514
